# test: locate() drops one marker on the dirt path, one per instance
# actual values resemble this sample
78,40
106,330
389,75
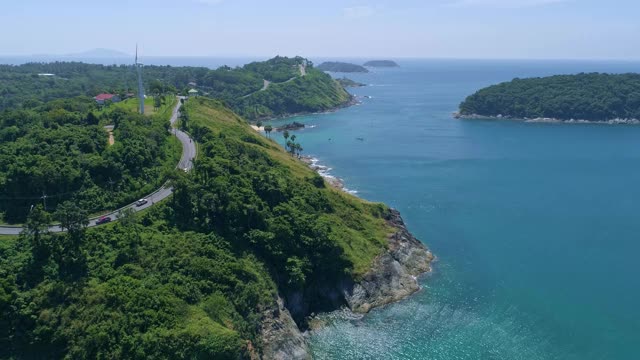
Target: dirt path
109,129
267,83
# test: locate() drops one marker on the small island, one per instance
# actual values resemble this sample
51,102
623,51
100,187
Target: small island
291,126
592,97
381,63
334,66
346,82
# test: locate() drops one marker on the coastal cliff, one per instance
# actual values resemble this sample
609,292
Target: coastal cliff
280,336
393,275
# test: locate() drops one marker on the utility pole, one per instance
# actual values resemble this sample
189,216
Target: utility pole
140,88
111,182
44,200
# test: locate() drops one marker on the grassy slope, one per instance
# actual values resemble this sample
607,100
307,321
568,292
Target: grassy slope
314,92
358,229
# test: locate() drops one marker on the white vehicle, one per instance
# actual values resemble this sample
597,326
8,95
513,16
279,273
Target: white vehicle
141,202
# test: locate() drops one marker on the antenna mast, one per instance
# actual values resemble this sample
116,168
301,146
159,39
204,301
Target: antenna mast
140,88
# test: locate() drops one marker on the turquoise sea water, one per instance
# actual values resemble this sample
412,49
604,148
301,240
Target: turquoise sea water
535,225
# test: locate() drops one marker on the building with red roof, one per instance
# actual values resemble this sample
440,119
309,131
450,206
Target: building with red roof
101,98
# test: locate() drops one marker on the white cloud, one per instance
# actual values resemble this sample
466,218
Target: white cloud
504,3
357,12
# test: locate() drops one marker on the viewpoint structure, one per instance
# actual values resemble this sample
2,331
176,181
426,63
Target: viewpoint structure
140,87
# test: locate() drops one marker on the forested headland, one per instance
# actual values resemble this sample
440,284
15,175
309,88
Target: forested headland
193,277
592,96
295,85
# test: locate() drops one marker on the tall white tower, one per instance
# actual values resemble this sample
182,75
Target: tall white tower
140,87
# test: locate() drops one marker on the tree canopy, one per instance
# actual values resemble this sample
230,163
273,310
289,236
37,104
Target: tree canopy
192,277
592,96
22,86
60,150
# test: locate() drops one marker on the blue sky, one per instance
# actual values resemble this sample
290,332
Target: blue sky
549,29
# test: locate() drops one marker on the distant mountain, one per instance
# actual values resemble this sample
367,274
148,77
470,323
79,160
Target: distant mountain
333,66
381,63
100,53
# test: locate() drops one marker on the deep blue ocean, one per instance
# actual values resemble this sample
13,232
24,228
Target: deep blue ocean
536,226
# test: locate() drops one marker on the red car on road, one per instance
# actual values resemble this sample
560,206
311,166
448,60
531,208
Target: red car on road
103,220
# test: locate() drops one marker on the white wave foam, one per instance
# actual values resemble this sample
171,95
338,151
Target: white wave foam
325,172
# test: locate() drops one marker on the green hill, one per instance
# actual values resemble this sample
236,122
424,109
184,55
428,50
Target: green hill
594,97
194,277
289,92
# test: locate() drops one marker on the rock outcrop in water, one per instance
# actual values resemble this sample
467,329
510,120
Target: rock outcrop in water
393,275
291,126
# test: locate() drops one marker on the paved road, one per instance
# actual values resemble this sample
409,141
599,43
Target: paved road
186,163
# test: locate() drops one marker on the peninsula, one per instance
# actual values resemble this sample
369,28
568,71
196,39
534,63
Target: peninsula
593,97
278,87
249,244
333,66
381,63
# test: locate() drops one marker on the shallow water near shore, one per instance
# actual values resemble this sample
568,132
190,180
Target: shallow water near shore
534,224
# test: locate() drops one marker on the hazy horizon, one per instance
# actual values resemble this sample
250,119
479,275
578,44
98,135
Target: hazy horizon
438,29
84,58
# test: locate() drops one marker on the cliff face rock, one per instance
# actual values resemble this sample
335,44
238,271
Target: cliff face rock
281,337
393,275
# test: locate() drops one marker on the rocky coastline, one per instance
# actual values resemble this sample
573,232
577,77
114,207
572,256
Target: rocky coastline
458,115
353,100
393,276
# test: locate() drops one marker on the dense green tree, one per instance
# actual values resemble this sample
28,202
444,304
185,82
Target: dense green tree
268,129
285,135
594,96
59,150
71,217
239,87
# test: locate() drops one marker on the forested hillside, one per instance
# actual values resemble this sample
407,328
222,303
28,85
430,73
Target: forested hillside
193,277
594,96
60,149
29,85
314,92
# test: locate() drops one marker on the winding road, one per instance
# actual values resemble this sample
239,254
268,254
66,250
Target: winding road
186,164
